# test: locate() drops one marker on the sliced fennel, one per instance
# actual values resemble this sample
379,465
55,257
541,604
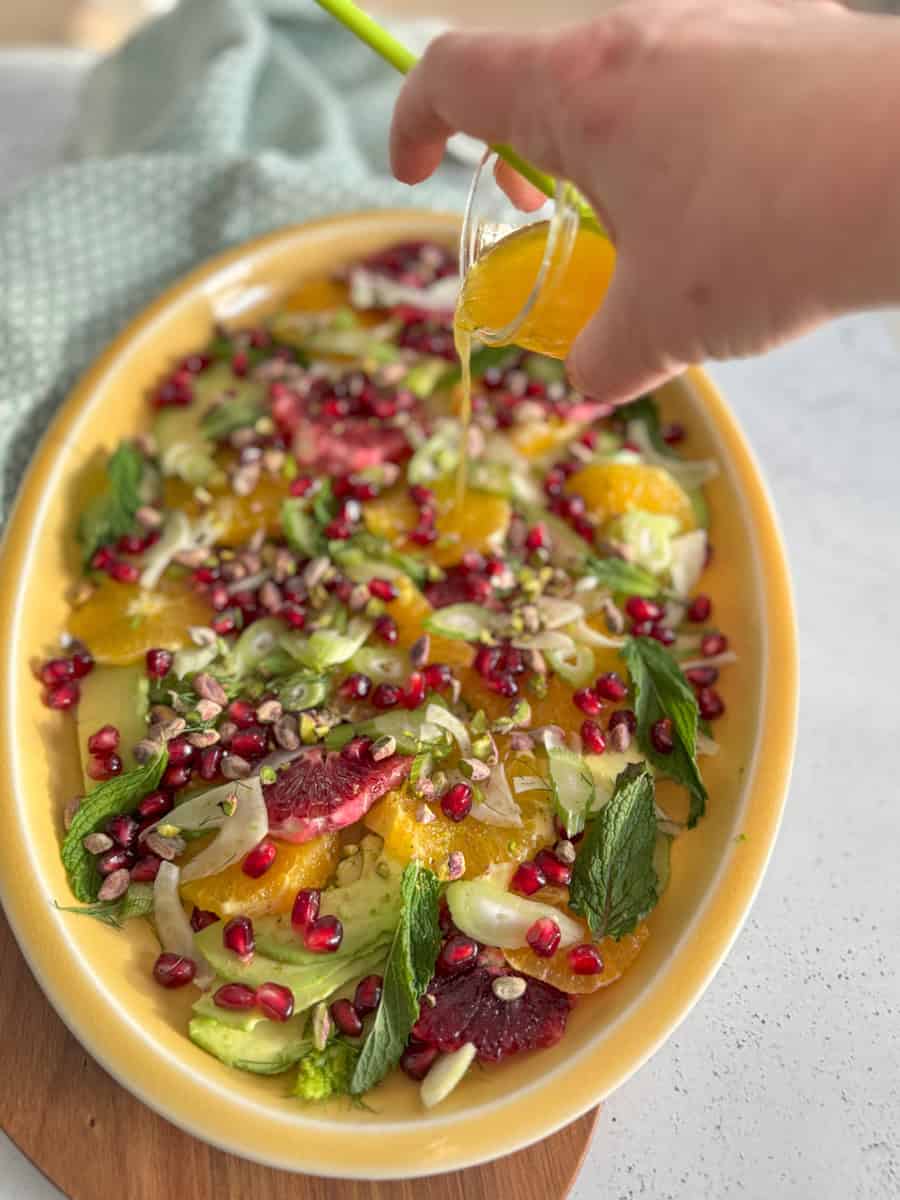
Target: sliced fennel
494,803
436,714
172,926
687,472
446,1074
239,833
573,788
575,666
499,918
465,622
688,561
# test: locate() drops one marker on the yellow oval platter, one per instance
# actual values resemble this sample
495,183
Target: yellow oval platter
98,978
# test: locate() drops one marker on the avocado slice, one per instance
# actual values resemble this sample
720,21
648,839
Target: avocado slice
269,1048
112,696
309,982
243,1019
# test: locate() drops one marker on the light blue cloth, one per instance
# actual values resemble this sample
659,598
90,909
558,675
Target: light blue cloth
222,120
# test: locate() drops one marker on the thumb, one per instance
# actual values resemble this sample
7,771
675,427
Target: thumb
614,359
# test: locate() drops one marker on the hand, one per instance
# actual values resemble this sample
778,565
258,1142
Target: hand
741,155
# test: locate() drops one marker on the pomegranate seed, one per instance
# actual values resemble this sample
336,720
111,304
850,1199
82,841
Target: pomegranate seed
553,482
306,908
528,879
114,860
62,696
259,859
472,561
486,660
154,805
250,743
363,490
438,676
456,802
368,994
180,751
130,543
386,696
82,664
208,762
356,686
159,663
584,527
641,609
240,364
610,687
236,997
237,936
176,776
103,558
246,602
478,589
293,614
502,684
356,749
123,830
641,629
511,660
346,1018
713,644
414,692
543,937
702,676
710,703
536,538
104,741
324,935
386,629
123,572
423,535
218,597
553,870
275,1001
173,970
587,701
145,869
103,767
661,736
57,670
623,716
202,917
592,737
663,634
585,960
457,954
382,589
242,713
589,439
224,623
338,530
416,1061
673,433
422,497
301,485
699,609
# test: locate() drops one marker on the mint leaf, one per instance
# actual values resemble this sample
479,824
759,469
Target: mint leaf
621,576
121,794
410,967
614,882
137,902
661,690
112,513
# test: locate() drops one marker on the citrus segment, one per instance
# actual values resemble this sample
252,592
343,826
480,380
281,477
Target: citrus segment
304,865
482,845
120,622
537,439
617,957
237,517
410,610
610,489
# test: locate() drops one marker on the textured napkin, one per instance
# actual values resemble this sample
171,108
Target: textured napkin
221,120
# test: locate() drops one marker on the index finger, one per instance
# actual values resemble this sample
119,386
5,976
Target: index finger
490,86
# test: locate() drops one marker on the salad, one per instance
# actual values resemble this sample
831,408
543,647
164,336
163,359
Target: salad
393,768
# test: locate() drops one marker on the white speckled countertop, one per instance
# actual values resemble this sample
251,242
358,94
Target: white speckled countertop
785,1080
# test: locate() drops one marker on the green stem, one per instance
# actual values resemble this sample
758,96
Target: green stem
403,60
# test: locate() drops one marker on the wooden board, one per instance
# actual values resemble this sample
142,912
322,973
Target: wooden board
93,1139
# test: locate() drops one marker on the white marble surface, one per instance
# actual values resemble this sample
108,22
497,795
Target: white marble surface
785,1080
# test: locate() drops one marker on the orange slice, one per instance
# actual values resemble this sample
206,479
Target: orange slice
120,622
610,489
238,517
394,818
540,438
478,524
304,865
617,957
409,610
